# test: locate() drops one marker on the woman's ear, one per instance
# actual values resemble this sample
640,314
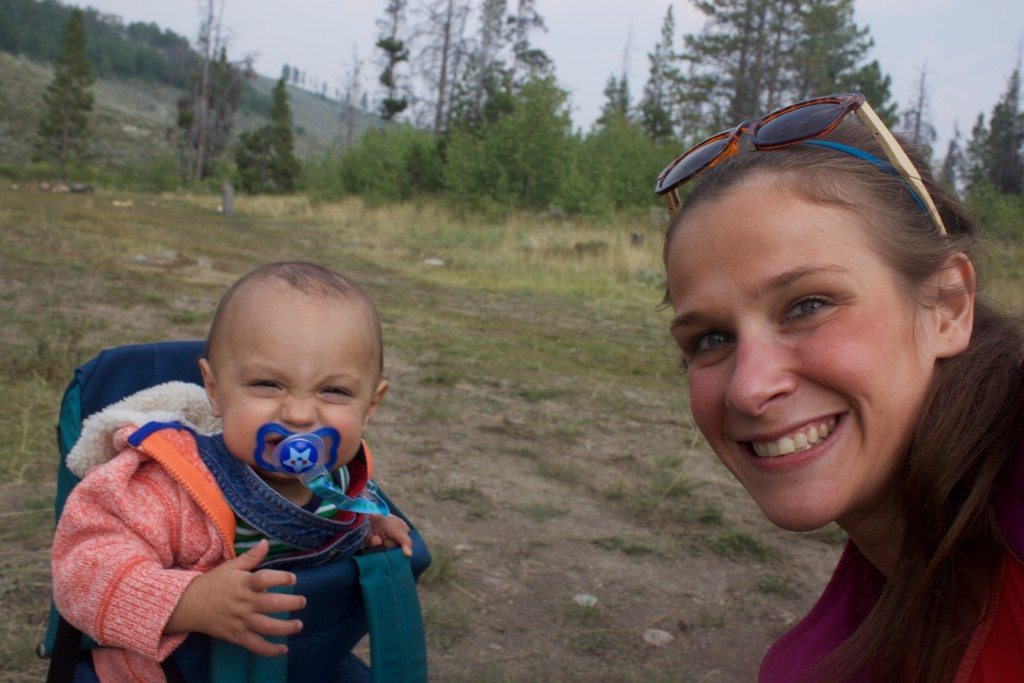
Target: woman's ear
210,385
954,290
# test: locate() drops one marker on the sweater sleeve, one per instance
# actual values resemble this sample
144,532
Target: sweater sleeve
121,555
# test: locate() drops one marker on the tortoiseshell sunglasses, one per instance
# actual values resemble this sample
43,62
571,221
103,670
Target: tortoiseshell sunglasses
790,125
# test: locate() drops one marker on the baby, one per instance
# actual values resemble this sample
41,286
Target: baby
293,370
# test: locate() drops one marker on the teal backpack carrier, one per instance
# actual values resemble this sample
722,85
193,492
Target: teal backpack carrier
373,592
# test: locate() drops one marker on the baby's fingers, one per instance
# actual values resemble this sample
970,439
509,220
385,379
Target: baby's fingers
266,625
269,578
261,646
269,602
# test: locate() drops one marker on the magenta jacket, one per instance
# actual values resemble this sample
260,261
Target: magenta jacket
856,585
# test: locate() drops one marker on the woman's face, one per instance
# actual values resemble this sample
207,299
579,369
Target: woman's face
808,363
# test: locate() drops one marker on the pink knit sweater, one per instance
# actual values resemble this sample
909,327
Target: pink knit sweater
130,540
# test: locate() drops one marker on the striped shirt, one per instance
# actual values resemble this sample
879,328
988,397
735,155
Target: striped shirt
247,536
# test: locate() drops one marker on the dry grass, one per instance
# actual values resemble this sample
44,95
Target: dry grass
538,336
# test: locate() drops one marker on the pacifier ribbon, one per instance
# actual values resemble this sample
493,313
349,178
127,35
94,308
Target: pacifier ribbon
310,457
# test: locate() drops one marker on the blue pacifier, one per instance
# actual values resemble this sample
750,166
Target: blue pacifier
310,457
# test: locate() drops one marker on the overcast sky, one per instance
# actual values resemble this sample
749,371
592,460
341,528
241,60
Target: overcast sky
970,46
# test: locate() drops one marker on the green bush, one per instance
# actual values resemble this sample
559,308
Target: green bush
613,168
387,165
520,160
1001,215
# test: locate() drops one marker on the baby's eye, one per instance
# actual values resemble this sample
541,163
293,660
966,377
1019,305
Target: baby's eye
808,306
264,384
337,391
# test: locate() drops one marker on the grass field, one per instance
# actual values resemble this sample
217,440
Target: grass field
533,380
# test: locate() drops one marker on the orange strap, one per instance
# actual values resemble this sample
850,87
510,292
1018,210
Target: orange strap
198,482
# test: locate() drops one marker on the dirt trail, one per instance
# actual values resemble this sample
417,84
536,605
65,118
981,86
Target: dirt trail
520,544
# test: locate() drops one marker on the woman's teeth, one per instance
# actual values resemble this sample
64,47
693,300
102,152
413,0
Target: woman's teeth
797,441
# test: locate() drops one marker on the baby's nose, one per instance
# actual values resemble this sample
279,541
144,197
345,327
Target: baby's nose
298,411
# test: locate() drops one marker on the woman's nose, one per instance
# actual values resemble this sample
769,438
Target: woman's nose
761,375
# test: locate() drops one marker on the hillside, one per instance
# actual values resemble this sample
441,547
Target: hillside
133,120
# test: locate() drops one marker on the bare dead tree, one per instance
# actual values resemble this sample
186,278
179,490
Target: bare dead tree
353,90
917,117
442,47
210,44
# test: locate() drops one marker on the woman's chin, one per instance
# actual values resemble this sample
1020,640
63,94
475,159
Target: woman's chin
797,519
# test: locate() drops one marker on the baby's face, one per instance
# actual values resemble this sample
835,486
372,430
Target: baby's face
293,359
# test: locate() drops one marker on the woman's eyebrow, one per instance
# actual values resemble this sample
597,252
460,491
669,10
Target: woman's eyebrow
772,284
685,320
783,280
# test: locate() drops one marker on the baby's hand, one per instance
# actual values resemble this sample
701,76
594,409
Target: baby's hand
389,531
231,602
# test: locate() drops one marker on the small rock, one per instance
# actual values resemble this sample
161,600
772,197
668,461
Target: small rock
81,188
787,618
657,637
433,262
204,263
14,186
463,548
122,203
585,600
684,625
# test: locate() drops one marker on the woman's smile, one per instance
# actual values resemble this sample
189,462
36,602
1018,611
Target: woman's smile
797,440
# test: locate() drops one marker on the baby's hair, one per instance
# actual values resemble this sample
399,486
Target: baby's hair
310,279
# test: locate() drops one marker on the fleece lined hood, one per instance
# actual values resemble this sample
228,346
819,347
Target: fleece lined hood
170,402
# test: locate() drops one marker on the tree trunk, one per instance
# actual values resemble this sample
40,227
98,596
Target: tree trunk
227,198
443,80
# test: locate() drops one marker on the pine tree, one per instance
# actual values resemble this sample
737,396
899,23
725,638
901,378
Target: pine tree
395,52
266,157
977,159
954,164
737,63
63,129
755,55
1005,142
528,62
616,103
482,90
656,102
870,81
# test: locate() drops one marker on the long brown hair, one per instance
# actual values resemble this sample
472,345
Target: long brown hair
969,426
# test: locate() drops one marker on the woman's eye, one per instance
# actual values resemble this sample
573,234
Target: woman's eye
808,306
709,341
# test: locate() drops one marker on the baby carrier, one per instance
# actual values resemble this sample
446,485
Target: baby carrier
372,592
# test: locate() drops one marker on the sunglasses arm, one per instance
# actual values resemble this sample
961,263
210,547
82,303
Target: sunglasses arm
672,203
899,159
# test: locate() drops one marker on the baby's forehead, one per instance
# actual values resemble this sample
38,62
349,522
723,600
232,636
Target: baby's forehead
248,305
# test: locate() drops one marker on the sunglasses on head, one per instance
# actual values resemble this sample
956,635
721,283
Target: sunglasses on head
800,122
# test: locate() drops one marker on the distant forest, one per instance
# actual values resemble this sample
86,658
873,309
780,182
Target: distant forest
137,50
468,107
114,49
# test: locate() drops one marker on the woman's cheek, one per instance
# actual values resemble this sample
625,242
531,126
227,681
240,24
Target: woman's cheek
706,399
